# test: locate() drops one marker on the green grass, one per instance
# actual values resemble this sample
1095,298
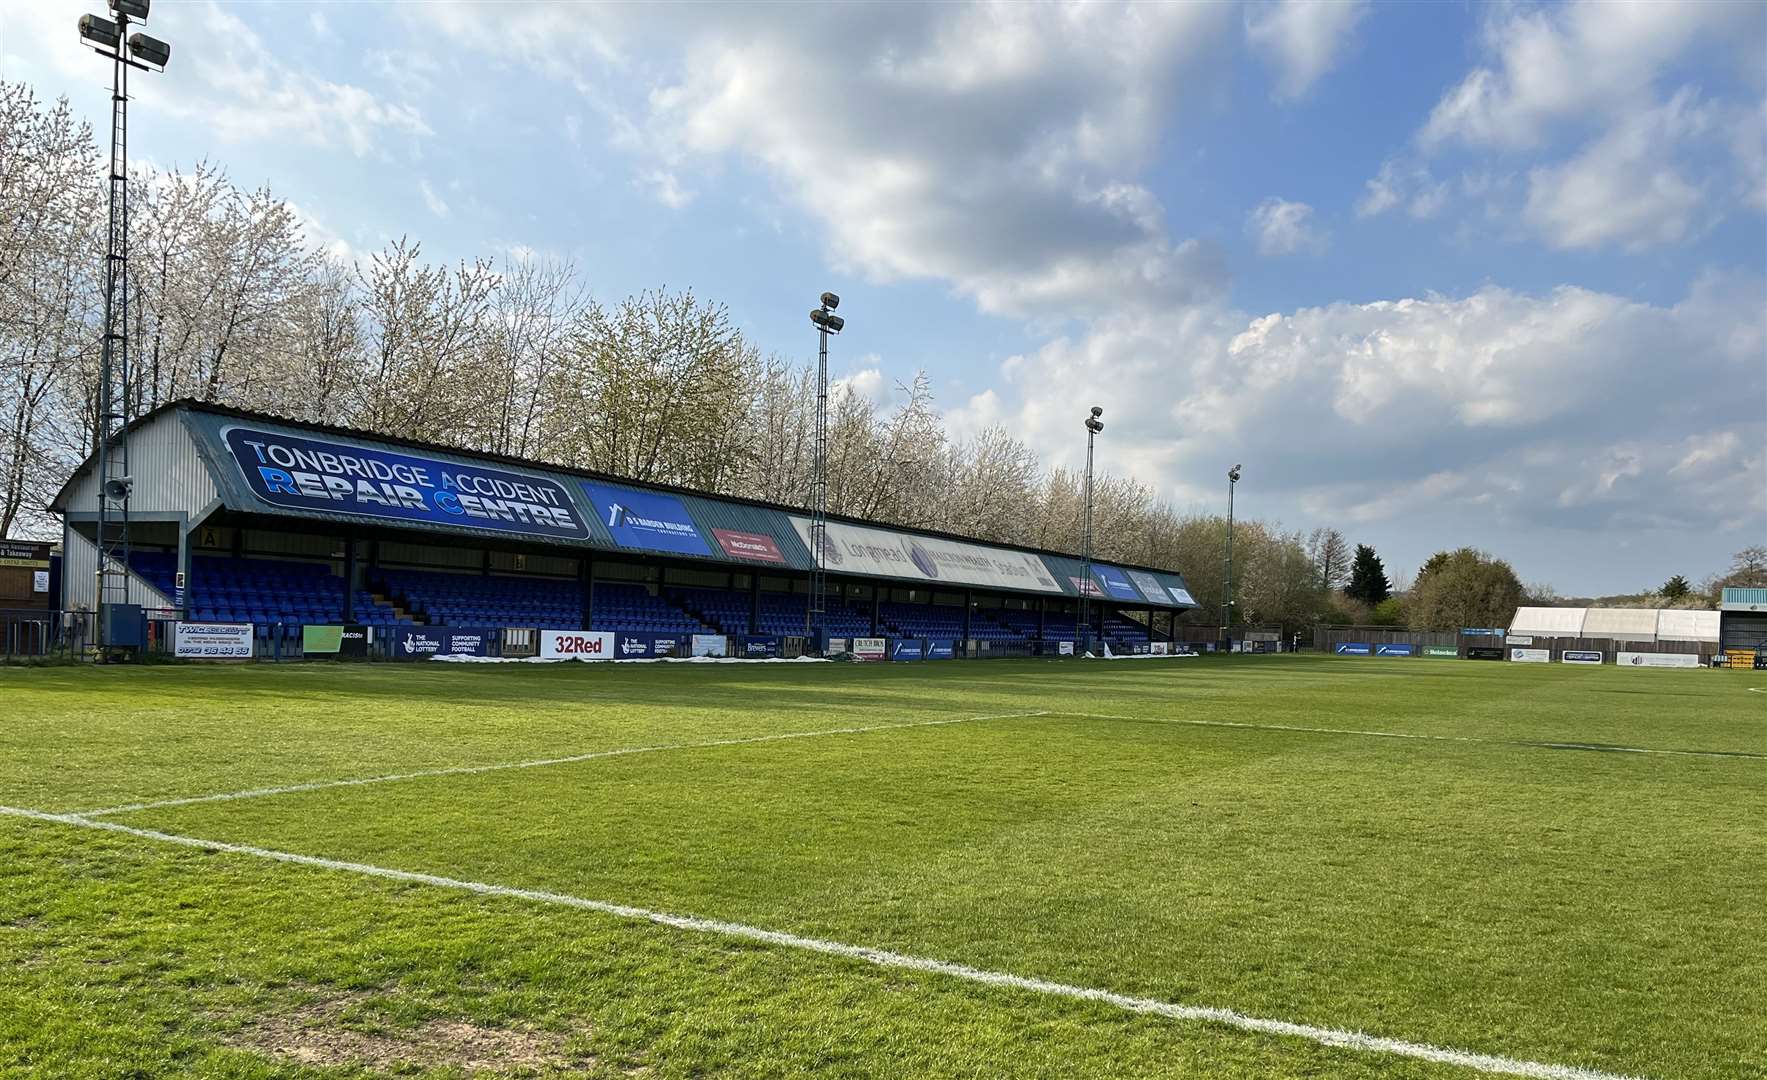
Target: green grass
1597,909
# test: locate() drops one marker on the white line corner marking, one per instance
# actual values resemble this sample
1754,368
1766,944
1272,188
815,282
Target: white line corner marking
1334,1037
470,770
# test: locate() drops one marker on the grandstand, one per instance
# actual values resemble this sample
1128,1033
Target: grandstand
242,518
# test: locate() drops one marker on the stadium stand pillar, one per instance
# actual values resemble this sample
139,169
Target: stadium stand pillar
184,561
754,603
350,576
586,589
969,606
1042,615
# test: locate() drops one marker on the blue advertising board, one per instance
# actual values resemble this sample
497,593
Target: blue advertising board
640,645
905,650
760,647
423,642
646,520
1353,648
342,478
1116,583
941,650
1395,650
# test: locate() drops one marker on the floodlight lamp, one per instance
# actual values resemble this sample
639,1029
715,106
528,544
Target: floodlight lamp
1094,424
1096,411
98,31
830,301
131,9
1233,474
150,50
830,323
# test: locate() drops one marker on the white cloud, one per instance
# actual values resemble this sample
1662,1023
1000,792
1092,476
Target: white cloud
1302,39
665,187
1558,408
1403,184
430,199
1566,63
1281,227
1626,187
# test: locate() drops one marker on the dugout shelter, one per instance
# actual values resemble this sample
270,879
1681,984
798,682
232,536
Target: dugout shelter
243,517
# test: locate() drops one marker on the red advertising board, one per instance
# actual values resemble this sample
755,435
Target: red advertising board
758,547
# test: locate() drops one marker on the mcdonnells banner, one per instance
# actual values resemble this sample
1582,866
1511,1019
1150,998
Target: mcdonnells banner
857,549
341,478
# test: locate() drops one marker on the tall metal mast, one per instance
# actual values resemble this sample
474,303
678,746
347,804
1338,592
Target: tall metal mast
826,323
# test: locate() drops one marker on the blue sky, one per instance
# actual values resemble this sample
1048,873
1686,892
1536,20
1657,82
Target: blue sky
1438,275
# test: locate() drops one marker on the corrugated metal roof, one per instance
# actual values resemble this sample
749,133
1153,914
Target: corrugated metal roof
1744,600
207,425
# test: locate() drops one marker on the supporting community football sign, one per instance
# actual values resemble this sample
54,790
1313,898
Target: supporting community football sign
344,478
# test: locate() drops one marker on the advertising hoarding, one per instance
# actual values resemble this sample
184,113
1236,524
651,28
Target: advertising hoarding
1395,650
645,520
755,547
576,645
1182,596
905,649
212,641
710,645
1064,648
760,647
941,650
341,478
869,648
1531,656
1581,656
1520,639
1159,648
423,642
319,640
1656,659
1116,583
1149,585
1353,648
1484,652
858,549
1447,652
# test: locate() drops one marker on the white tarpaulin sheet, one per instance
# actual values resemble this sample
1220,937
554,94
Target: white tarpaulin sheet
1621,624
1687,626
857,549
1548,621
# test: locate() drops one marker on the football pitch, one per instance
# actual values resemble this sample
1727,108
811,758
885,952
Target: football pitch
1217,867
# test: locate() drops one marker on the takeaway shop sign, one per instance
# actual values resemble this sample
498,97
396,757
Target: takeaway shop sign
340,478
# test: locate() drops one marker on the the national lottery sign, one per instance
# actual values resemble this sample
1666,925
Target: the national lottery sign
339,478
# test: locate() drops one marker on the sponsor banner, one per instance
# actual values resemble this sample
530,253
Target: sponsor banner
318,640
760,648
1531,656
1160,648
869,648
838,645
1484,652
941,650
1580,656
576,645
1481,631
1149,585
1185,650
1182,596
757,547
354,641
646,520
905,649
1085,588
710,645
1353,648
213,641
1395,650
1520,639
1448,652
633,646
668,645
1064,648
1659,659
423,642
342,478
858,549
1116,583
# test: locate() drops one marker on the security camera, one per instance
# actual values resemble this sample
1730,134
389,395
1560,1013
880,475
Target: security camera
830,301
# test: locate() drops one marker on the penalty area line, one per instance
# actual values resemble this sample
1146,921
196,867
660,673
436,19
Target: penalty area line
472,770
1332,1037
1527,743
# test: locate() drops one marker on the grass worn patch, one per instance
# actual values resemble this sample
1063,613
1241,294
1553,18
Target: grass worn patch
1570,906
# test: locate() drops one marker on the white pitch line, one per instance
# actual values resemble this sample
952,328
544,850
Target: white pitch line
469,770
1412,735
1334,1037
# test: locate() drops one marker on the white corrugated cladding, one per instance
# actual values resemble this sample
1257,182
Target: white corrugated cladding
1548,621
1687,626
1621,624
79,563
170,475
